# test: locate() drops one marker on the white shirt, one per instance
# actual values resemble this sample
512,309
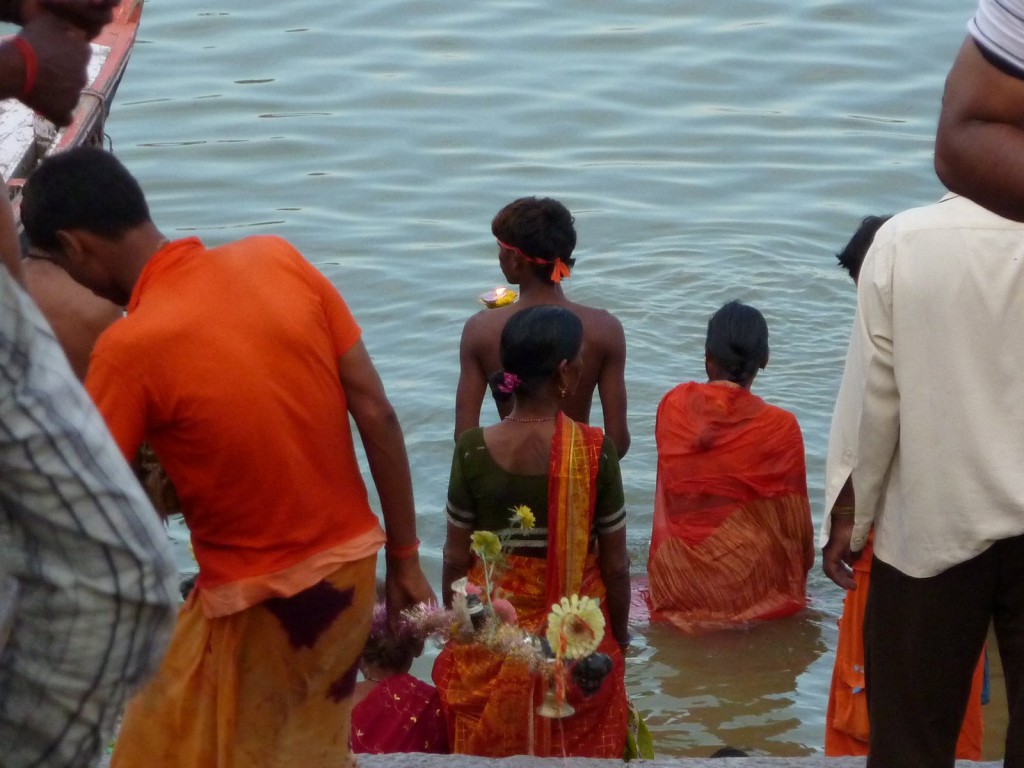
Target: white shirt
998,27
930,415
87,580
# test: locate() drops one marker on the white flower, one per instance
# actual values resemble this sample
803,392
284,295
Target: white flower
575,627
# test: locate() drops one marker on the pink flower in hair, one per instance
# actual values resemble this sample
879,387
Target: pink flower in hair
509,383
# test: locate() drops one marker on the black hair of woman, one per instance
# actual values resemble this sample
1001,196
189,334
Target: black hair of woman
533,344
737,344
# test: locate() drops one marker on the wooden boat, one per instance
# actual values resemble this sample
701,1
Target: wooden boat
26,138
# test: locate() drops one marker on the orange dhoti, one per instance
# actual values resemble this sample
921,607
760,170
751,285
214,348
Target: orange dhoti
846,720
269,686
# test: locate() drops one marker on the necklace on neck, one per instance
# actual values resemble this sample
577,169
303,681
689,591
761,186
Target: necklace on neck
529,421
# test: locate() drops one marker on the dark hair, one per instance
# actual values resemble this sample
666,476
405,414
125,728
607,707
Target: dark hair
534,341
391,647
84,188
542,228
729,752
852,256
738,341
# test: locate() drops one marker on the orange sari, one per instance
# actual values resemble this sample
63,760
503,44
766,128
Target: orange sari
732,539
490,701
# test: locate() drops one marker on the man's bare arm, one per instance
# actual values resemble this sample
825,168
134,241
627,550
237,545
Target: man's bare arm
979,148
384,444
469,395
611,387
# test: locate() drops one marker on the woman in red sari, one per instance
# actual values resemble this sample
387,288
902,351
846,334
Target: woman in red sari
732,539
568,475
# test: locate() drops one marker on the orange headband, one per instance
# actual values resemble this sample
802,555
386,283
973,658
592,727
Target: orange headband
559,268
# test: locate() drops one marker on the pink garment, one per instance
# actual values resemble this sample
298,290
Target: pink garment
402,714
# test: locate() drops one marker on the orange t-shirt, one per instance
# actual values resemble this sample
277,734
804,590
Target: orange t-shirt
227,364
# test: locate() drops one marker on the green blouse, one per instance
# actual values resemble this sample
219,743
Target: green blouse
481,495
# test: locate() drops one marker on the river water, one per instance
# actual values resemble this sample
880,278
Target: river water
709,150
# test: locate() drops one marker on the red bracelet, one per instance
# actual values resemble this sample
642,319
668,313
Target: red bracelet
401,553
28,56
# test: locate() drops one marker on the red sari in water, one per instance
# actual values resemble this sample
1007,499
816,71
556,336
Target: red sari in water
732,539
490,701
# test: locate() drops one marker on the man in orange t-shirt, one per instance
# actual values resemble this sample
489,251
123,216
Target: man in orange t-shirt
240,366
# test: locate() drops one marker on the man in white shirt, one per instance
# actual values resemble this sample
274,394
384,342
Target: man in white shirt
930,416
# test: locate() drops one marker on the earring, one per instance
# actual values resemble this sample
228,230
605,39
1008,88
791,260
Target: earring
561,392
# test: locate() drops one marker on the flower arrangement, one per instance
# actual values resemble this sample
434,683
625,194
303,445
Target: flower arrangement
575,627
481,615
498,297
490,548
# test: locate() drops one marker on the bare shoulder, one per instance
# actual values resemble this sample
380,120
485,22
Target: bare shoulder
600,325
483,328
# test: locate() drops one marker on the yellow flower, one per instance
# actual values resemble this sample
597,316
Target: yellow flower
576,626
486,545
523,515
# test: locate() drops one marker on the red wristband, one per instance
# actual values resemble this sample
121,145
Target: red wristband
28,56
401,553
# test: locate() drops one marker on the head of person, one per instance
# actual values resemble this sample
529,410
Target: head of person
76,207
737,344
852,256
729,752
390,648
540,351
536,238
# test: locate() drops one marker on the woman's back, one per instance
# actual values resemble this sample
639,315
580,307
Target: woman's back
732,539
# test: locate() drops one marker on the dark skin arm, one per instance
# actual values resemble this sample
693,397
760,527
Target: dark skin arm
836,557
613,560
381,434
979,147
611,388
87,15
457,560
472,384
62,54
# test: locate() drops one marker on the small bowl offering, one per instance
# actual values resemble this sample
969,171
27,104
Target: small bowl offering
498,297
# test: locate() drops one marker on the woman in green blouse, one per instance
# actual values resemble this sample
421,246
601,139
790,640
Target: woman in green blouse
567,474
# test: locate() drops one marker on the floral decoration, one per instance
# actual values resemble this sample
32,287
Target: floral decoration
522,517
486,545
575,627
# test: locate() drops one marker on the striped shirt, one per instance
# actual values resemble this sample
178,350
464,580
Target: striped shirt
87,589
482,495
998,29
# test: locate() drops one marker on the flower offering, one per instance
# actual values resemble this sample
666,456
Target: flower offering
498,297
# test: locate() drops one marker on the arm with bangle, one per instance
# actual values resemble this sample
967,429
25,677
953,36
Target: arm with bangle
381,435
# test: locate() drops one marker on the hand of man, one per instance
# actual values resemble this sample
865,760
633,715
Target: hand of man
87,15
836,557
62,55
405,585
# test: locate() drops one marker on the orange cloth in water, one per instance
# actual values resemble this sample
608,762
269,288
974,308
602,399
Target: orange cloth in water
846,720
732,539
489,700
267,687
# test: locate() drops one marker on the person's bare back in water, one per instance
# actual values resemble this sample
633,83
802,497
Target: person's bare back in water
535,243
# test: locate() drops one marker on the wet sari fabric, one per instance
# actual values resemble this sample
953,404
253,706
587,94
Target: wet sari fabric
732,539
